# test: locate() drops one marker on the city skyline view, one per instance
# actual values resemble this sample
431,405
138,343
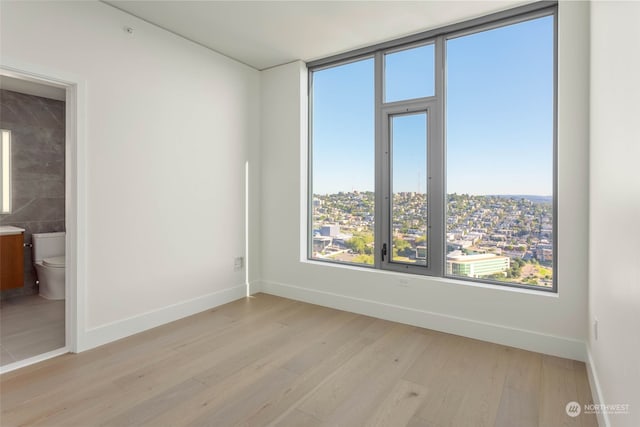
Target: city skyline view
504,239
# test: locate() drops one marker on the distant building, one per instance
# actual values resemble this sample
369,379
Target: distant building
330,230
476,266
459,244
474,236
544,251
341,240
544,255
321,242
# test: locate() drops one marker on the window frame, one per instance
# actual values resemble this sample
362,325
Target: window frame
405,47
309,228
436,148
433,170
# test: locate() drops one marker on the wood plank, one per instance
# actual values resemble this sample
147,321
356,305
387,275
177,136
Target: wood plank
351,395
52,377
484,387
130,359
558,387
317,372
272,361
400,406
416,421
148,381
256,396
519,402
160,403
298,418
447,385
432,361
238,376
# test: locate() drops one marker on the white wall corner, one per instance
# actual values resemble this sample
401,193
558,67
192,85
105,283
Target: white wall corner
255,287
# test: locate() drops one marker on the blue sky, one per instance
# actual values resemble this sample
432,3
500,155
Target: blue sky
499,115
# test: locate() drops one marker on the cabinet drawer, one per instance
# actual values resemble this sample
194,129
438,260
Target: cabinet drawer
11,261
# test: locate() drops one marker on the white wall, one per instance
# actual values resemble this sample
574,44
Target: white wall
614,269
536,321
169,126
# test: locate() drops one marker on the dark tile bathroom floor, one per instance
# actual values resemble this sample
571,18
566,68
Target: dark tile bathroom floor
30,325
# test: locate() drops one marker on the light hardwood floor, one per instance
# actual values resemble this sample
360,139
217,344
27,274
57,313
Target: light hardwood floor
266,360
29,326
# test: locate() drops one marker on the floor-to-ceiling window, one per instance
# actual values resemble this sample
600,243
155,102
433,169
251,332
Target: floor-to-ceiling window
436,155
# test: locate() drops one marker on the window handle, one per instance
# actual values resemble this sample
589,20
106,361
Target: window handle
383,251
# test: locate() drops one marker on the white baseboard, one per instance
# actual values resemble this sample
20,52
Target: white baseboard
499,334
133,325
596,391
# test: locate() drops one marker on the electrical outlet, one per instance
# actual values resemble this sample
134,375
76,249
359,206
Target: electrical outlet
595,329
403,283
238,263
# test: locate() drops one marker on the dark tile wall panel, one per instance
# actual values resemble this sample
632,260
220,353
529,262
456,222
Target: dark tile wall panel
37,128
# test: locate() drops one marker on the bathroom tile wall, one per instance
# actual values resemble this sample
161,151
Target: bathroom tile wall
37,160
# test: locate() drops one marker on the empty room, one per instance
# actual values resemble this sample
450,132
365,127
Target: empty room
319,213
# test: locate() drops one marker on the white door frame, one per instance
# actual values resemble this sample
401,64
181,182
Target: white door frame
75,200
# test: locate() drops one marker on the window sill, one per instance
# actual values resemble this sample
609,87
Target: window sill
423,279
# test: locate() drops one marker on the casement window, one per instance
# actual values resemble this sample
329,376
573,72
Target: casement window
436,154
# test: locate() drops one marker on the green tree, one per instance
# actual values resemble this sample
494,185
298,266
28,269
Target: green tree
364,259
356,244
402,247
359,243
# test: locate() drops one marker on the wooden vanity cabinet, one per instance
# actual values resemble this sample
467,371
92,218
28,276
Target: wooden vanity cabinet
11,261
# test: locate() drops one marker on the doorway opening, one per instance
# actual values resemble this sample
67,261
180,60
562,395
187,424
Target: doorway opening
38,225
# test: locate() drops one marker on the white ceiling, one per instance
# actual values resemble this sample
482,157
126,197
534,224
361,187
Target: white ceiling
264,34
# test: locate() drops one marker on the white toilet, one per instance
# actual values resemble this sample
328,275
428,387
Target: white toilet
48,258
